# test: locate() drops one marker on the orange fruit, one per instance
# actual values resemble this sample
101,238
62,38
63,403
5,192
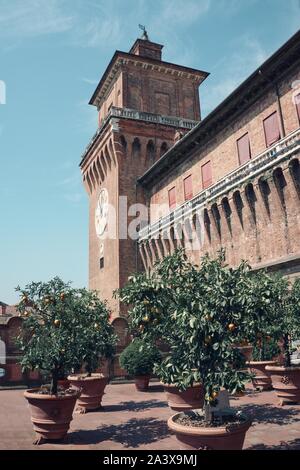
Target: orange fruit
208,340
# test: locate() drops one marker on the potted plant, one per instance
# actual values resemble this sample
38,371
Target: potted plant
286,378
46,345
201,313
95,343
264,354
150,302
179,398
138,359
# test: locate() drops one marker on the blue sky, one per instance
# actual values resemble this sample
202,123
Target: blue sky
52,54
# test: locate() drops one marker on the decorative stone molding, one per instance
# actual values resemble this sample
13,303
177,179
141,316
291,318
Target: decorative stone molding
115,114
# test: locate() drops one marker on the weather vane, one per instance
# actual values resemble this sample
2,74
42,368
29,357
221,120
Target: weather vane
145,34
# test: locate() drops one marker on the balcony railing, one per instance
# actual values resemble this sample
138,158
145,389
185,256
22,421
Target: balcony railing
126,113
253,167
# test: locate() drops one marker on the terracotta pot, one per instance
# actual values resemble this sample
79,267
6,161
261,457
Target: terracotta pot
246,351
65,383
189,399
50,414
92,390
262,379
142,382
198,438
286,383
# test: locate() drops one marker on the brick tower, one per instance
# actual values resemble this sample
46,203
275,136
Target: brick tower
142,103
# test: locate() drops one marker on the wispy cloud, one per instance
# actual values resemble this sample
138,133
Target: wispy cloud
71,180
96,32
90,81
33,18
232,69
87,117
75,198
183,11
71,187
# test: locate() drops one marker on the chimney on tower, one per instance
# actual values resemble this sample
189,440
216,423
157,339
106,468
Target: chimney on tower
146,48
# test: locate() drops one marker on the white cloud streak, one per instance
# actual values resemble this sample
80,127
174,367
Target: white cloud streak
32,18
229,72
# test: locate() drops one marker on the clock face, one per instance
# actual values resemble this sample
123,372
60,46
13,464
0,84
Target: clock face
101,213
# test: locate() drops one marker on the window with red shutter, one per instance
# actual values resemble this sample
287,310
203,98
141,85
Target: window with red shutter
172,198
244,151
297,101
188,188
271,127
206,175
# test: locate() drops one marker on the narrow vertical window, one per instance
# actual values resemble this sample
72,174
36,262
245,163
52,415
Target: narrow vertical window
271,128
244,151
101,262
172,198
206,175
188,188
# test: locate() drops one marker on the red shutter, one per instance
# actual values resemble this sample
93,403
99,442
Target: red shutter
243,145
206,175
188,188
172,198
297,101
272,132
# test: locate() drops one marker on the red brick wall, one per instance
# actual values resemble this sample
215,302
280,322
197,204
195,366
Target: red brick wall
222,149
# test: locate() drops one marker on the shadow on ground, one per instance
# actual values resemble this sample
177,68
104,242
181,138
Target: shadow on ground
135,406
133,433
155,388
267,414
289,445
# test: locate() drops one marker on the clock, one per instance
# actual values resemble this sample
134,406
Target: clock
101,212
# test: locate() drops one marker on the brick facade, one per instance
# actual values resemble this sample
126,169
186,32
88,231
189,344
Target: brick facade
256,218
143,149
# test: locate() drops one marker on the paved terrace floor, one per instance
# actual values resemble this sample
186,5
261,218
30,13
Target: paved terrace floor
137,420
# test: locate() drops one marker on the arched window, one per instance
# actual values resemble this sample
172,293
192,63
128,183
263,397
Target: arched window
251,198
227,212
280,184
265,192
294,168
136,148
217,218
150,153
163,148
239,205
124,145
207,224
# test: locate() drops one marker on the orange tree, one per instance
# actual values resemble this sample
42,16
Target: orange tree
286,325
201,313
63,328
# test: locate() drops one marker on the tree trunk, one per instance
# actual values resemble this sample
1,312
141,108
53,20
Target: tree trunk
207,413
54,381
286,348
